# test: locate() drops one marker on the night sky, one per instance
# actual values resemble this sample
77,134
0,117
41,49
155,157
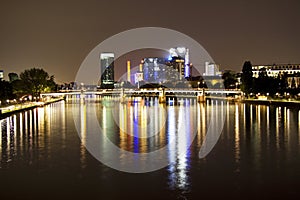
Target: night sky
58,35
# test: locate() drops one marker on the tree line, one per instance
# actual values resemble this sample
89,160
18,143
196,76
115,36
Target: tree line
265,84
32,82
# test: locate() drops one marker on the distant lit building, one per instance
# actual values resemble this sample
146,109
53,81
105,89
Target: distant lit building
212,69
107,70
213,76
180,59
177,63
138,77
291,71
176,67
275,69
154,69
1,75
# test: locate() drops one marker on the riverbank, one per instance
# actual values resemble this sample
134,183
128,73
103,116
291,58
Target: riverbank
12,109
280,102
288,103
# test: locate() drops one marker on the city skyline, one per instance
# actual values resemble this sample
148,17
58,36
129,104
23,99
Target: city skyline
35,34
196,99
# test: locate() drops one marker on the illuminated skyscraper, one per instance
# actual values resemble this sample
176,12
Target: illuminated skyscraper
180,58
154,69
211,69
1,75
107,70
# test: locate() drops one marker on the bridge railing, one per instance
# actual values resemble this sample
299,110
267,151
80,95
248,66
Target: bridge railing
139,91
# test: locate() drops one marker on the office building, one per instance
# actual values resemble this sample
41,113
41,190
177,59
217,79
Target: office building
107,70
180,60
276,69
1,75
159,70
211,69
290,71
154,69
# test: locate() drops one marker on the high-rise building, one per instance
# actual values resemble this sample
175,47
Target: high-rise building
153,69
180,57
211,69
107,70
177,64
1,75
176,68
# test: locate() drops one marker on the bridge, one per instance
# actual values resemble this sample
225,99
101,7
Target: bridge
162,93
177,91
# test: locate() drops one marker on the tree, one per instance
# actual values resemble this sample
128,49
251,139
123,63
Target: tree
13,76
6,91
36,81
230,79
282,82
247,79
262,74
293,84
18,88
265,84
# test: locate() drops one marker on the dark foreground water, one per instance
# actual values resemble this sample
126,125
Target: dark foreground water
256,156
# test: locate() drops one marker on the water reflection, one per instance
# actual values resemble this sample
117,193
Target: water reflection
26,135
140,126
237,134
254,136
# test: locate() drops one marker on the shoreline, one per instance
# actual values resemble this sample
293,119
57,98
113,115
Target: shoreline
272,102
24,107
269,102
32,105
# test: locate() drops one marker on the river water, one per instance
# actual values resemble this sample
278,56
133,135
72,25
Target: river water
43,152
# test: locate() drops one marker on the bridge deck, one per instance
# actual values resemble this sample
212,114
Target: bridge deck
168,92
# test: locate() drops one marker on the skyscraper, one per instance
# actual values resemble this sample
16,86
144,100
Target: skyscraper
180,57
107,70
1,75
211,69
154,69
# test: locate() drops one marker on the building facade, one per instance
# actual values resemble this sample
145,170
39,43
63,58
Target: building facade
212,69
180,59
276,69
1,75
154,69
290,71
107,70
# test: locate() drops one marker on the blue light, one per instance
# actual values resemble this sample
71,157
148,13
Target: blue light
169,58
187,71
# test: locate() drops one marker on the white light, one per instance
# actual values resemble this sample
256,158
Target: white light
181,49
107,55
